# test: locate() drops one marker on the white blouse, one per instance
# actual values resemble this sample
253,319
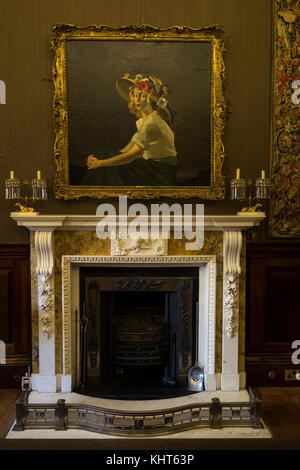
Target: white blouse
155,137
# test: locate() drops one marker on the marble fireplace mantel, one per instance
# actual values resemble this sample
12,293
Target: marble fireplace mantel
122,253
48,222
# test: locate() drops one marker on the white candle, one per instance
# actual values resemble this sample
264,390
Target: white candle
12,175
263,174
238,173
38,174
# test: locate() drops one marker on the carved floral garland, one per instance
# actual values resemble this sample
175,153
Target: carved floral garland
231,304
45,305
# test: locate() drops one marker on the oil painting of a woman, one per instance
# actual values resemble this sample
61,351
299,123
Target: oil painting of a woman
150,157
136,115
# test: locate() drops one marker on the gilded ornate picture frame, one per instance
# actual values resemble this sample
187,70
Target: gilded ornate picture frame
92,117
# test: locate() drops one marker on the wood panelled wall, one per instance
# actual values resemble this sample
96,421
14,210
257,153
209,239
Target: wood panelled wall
273,306
26,127
15,313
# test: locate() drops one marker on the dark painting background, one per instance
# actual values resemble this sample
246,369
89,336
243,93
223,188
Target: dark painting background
99,118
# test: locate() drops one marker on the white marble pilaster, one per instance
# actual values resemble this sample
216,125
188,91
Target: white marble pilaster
232,245
46,380
66,383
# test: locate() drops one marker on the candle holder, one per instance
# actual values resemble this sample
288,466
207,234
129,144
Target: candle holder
14,190
238,187
12,187
241,190
263,187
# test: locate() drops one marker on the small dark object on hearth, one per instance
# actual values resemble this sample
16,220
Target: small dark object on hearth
169,381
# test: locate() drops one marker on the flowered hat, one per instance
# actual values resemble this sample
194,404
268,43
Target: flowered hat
153,85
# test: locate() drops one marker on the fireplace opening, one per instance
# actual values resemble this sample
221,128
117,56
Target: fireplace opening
136,333
140,333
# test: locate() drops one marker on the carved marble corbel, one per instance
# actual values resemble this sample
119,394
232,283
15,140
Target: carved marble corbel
44,270
44,252
232,269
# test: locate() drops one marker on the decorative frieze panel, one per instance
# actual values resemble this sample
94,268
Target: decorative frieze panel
139,284
138,246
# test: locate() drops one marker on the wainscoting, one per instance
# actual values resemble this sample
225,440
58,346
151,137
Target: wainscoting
272,319
15,313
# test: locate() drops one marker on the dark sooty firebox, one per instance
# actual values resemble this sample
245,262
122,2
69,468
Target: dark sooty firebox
136,331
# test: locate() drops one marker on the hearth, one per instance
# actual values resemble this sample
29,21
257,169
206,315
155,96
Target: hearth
136,331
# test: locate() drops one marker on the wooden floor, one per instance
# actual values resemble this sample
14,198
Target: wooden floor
7,409
280,411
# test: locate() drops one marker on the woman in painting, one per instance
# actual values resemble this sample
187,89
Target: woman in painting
150,158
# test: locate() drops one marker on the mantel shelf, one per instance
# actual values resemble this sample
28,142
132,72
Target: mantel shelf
51,222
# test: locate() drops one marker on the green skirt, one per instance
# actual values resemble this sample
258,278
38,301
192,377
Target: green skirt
140,172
